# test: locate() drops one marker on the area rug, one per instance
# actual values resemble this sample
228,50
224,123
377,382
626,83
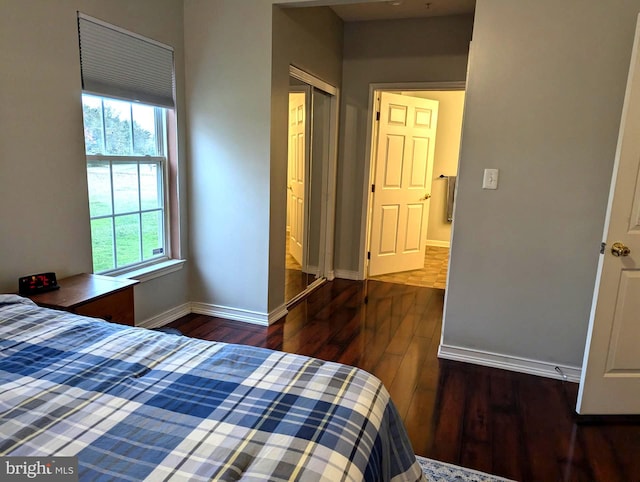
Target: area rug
436,471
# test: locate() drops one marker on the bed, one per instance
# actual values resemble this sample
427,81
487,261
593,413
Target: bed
137,404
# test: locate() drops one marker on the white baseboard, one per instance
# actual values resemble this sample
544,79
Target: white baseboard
438,244
236,314
313,270
346,274
166,317
247,316
279,312
507,362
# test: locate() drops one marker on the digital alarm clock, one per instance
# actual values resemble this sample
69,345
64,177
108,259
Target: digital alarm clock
37,283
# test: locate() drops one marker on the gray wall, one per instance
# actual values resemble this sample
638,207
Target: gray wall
237,91
228,89
415,50
544,98
42,144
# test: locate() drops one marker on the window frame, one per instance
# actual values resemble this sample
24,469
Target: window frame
162,133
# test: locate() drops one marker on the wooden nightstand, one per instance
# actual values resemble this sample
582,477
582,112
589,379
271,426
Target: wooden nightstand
92,295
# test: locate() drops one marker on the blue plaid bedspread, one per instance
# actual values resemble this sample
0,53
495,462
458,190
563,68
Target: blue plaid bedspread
135,404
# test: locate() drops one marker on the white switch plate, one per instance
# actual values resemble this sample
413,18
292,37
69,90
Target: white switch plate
490,179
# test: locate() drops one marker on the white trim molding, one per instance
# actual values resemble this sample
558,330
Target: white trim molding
166,317
312,80
304,293
280,312
347,274
226,312
438,244
508,362
154,271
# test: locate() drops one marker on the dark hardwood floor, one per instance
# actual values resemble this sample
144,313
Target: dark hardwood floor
513,425
295,282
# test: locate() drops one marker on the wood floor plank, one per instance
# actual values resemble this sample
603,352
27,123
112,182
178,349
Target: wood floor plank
406,379
476,449
430,371
554,452
449,415
418,420
509,454
624,439
387,368
509,458
353,353
602,454
403,335
431,323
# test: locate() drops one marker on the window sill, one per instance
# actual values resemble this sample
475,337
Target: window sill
154,271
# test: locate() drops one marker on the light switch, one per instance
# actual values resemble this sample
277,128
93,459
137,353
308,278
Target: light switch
490,179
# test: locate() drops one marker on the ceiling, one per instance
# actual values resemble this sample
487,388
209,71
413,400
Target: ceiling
395,9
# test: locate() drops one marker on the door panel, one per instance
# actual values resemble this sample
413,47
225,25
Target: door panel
415,217
393,162
398,114
623,354
423,117
419,152
296,175
634,219
389,229
403,170
610,382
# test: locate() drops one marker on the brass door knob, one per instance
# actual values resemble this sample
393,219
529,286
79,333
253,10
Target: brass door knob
426,196
619,249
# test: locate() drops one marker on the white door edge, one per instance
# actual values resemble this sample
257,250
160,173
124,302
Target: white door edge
602,390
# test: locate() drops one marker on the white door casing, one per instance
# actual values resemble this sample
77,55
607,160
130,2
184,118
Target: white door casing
296,175
610,382
403,175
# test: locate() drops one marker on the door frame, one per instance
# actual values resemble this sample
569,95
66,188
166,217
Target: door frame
328,199
374,88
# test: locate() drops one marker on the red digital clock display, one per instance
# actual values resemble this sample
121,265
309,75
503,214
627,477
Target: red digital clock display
37,283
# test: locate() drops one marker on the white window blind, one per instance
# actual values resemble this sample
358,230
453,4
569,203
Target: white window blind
122,64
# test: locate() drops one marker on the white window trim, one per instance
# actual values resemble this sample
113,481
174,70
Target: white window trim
154,271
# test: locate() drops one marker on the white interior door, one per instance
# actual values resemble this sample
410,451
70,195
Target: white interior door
296,175
402,183
610,382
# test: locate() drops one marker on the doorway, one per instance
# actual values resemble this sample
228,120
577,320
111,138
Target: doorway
435,196
312,134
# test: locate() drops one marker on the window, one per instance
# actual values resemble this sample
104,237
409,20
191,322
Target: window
128,87
126,172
